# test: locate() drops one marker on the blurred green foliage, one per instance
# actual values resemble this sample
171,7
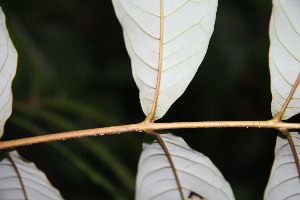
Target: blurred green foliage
74,73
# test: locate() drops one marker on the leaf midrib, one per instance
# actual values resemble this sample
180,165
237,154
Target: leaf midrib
151,115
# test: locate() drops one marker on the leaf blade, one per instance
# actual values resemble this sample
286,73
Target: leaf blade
197,174
284,56
284,179
8,65
35,182
188,26
284,64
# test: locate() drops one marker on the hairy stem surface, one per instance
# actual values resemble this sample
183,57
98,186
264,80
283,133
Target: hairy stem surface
145,127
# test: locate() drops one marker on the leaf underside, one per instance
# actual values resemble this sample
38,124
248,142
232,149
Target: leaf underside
284,179
197,174
35,182
187,28
284,55
284,62
8,65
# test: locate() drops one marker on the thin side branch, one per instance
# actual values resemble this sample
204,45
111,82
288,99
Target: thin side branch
279,115
167,153
144,127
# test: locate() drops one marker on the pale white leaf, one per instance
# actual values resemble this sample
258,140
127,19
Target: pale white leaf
284,55
155,179
35,182
188,26
8,65
284,179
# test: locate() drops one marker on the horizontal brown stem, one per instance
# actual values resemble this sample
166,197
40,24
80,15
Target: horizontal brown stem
144,127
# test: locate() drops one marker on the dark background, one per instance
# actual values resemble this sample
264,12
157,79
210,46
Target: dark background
74,73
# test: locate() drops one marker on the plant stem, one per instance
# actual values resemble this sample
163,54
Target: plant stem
80,163
279,115
144,127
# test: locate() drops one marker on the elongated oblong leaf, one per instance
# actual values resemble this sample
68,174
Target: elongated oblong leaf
284,56
284,179
8,65
197,174
35,182
186,27
284,59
